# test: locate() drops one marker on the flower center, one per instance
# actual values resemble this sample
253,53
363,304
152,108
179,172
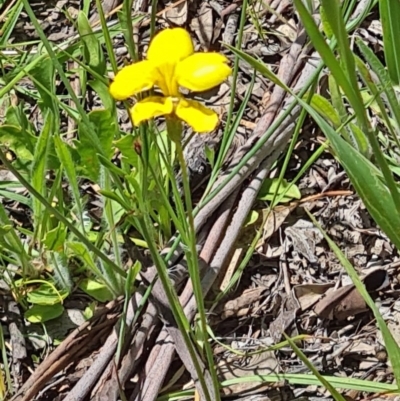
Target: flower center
169,84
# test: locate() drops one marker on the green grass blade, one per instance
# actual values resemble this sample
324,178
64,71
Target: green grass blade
390,16
366,178
39,168
336,22
346,83
335,394
67,163
311,380
385,80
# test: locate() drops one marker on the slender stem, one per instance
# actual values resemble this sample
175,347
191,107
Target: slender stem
194,271
172,297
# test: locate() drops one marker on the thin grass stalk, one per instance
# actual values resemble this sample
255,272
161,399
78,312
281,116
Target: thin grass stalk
194,271
176,307
228,132
107,37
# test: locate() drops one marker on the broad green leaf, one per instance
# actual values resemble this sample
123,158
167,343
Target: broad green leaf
65,156
43,313
55,238
93,52
360,141
96,290
139,242
80,251
43,75
16,115
324,108
12,138
336,21
251,218
11,240
127,149
102,90
46,295
105,127
272,186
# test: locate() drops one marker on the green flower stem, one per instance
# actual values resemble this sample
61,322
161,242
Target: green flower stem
174,128
170,292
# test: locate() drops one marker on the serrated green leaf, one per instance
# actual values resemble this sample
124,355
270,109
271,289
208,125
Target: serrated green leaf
367,180
384,79
344,71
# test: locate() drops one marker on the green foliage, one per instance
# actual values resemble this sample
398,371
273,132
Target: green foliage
131,175
97,290
272,188
43,313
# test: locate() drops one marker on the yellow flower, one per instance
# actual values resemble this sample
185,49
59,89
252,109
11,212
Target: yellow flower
172,63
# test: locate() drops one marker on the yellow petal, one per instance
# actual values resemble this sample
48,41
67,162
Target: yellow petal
170,46
150,107
199,117
133,79
202,71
